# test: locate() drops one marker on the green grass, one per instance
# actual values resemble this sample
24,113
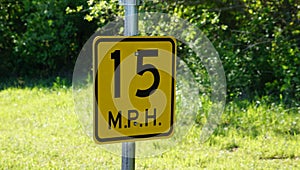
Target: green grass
40,130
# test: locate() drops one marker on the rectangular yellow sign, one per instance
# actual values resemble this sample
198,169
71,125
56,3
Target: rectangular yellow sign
134,88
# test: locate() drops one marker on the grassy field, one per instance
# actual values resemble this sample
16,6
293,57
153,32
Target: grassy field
40,130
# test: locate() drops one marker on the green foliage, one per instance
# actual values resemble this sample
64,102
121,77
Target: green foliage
40,130
258,41
260,50
99,11
39,38
257,118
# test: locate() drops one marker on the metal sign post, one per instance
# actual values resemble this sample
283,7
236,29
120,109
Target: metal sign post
131,17
130,29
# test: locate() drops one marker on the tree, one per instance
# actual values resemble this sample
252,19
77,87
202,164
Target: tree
39,38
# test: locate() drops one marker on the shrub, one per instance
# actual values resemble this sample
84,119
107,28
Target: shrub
39,38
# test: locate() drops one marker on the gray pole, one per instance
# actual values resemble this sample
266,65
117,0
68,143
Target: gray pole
128,156
130,29
131,18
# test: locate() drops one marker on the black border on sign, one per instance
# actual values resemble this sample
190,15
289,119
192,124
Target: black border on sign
96,114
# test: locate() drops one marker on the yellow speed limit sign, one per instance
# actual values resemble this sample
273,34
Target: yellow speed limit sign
134,88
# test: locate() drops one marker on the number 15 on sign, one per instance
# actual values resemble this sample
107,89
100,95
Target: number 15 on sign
134,88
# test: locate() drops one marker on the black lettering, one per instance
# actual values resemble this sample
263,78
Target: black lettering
116,56
142,68
114,121
132,115
150,117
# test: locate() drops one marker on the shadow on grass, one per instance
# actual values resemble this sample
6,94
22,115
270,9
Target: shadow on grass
39,82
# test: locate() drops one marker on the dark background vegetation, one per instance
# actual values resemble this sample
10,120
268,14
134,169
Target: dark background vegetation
258,40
